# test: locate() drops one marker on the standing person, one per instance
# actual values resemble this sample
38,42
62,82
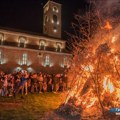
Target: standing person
22,83
1,86
56,82
49,85
34,80
40,82
5,85
61,85
25,78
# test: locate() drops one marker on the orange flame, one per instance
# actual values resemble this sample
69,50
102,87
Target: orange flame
107,26
108,85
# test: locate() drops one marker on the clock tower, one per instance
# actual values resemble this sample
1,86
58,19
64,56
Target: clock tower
52,19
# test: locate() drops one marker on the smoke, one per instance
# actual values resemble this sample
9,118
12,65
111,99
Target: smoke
107,8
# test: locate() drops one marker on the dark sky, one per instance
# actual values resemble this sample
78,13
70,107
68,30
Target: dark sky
27,15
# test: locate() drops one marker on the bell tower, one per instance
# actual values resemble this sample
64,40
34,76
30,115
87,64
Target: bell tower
52,19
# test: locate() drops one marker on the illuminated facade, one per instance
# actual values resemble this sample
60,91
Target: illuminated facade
36,53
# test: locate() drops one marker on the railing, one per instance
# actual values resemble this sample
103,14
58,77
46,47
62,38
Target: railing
29,46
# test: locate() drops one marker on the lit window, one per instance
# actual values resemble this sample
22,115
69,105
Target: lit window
22,42
65,61
1,57
54,29
24,59
42,44
58,47
1,38
47,61
58,23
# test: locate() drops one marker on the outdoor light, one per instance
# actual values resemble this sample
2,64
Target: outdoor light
52,21
55,30
58,23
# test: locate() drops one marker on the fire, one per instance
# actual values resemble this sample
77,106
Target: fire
98,68
107,26
108,85
113,39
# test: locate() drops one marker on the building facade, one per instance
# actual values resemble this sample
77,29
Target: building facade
36,53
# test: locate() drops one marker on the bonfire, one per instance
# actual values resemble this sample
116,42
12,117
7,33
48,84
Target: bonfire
94,71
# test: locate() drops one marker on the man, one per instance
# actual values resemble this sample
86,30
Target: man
22,84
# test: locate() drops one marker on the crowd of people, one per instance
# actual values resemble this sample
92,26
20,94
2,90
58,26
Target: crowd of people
22,82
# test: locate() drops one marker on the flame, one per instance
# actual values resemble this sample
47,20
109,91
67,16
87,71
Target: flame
93,100
88,68
112,50
116,58
108,85
107,26
113,39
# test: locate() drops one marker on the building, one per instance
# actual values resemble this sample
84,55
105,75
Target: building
35,53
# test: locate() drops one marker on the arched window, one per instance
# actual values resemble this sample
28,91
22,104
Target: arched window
22,41
55,9
55,18
1,38
58,47
1,57
42,44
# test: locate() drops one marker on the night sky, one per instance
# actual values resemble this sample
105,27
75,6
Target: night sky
27,15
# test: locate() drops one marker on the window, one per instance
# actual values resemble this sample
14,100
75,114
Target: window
0,57
24,59
55,18
42,44
47,61
22,42
58,47
55,9
65,62
1,38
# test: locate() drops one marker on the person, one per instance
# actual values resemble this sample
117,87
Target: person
34,80
61,85
56,82
5,85
22,83
24,80
49,85
40,82
1,86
